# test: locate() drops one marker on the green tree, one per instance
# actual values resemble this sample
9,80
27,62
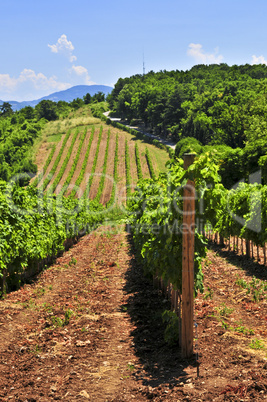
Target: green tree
46,109
98,97
27,112
76,103
87,99
6,109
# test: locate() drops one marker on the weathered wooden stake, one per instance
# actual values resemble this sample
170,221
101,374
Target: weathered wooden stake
188,263
247,248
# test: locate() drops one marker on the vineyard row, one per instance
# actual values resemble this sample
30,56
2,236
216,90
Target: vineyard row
58,165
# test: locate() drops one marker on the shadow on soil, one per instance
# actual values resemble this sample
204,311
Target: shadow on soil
162,364
251,267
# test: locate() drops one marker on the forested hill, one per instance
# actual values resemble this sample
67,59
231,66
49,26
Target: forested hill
207,108
216,104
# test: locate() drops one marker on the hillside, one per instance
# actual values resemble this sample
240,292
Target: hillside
78,91
90,325
94,158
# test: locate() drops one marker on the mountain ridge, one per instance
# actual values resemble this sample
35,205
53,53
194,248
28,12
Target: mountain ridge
77,91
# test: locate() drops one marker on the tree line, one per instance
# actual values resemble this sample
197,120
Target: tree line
218,106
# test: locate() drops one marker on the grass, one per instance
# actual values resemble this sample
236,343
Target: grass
159,157
59,322
53,130
224,311
54,138
257,344
255,288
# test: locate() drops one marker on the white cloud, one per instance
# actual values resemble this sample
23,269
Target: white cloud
195,50
29,85
80,70
7,83
78,73
82,73
258,60
40,81
65,47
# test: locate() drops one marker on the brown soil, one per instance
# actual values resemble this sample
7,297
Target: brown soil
80,162
90,161
121,185
43,154
64,154
99,165
69,165
111,346
105,196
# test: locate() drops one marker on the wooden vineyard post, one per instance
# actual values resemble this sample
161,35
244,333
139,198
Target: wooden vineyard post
188,262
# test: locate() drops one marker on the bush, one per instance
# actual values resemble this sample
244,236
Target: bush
188,145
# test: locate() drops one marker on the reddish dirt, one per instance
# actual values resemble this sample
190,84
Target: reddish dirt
42,155
80,162
90,328
90,161
99,165
64,154
69,164
105,196
121,185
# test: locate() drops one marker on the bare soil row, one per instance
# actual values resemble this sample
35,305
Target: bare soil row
109,180
90,328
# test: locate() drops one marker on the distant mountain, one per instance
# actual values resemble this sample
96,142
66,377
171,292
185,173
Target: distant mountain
79,91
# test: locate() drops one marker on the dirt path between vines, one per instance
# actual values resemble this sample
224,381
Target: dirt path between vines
90,329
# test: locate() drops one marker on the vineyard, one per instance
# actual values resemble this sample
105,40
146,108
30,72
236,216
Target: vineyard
99,162
94,301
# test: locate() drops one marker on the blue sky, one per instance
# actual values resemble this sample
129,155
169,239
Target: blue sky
53,45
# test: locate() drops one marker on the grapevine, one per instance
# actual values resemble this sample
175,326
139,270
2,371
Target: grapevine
73,167
138,162
30,232
115,174
89,183
64,164
102,181
127,167
82,172
150,165
55,165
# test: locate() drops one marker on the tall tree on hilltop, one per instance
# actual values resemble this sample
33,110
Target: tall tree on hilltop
6,109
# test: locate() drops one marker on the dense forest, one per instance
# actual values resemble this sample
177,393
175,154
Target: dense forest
208,107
